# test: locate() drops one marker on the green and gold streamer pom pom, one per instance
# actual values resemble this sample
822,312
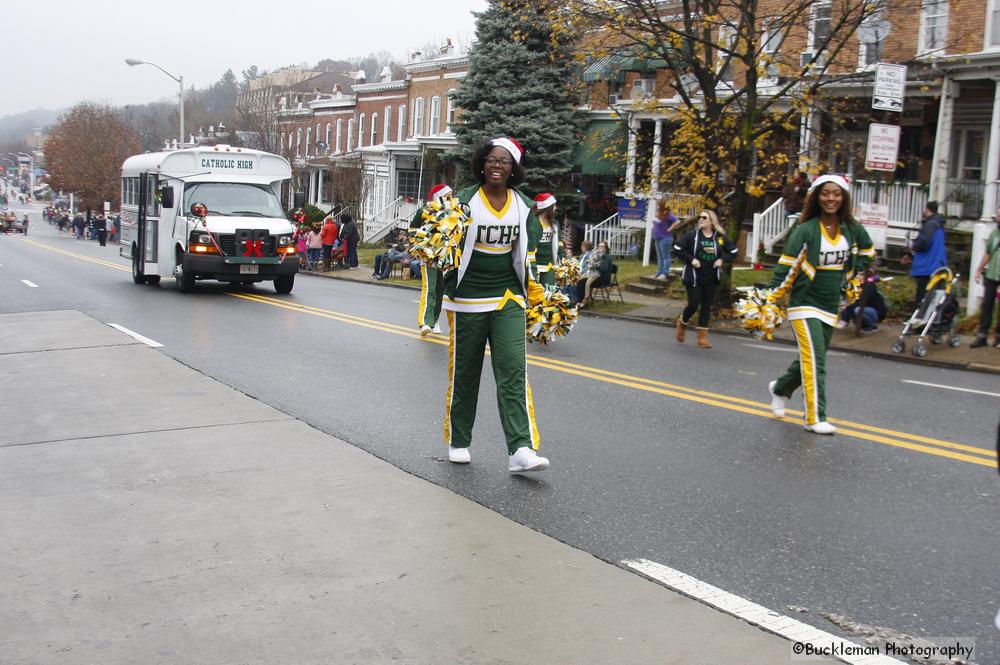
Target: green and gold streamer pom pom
551,318
438,242
759,314
852,289
568,272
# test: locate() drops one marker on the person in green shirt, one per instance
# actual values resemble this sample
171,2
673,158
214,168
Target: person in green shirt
550,250
988,274
821,253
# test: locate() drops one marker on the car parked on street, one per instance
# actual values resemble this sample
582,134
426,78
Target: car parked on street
12,223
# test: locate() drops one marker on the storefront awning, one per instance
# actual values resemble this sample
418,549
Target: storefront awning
601,136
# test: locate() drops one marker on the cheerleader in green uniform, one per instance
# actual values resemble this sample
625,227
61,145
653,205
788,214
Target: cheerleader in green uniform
550,250
485,298
820,254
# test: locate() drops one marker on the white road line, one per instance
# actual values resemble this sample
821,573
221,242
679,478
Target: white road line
964,390
28,282
758,615
132,333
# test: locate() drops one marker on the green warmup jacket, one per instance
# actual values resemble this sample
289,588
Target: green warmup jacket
813,267
483,281
550,250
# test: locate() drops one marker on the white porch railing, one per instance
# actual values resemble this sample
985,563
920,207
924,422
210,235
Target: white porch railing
906,200
396,214
768,227
613,231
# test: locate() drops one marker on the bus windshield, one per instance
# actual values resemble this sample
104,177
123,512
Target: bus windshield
231,199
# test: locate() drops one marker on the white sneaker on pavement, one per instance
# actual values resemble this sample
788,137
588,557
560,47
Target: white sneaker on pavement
525,459
437,329
459,455
425,330
821,427
777,401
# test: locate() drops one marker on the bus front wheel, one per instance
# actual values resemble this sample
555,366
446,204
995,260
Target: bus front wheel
137,275
284,283
185,278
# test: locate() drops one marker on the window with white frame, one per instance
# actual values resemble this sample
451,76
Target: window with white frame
289,143
727,41
820,25
327,139
386,123
317,138
350,135
340,130
770,44
872,34
298,141
933,26
401,129
361,130
435,127
373,138
418,116
450,118
993,19
308,139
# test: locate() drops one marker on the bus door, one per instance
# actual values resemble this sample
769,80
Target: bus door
146,226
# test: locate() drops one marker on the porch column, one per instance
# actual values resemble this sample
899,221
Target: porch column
652,203
992,158
633,137
942,140
319,186
808,143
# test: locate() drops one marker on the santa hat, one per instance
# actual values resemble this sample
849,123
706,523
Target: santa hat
544,200
438,192
838,180
511,146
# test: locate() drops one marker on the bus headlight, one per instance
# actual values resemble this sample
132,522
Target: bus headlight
284,240
204,239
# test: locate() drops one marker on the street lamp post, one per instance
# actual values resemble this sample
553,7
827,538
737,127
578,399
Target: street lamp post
132,62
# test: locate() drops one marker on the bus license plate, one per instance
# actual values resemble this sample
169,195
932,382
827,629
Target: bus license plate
249,269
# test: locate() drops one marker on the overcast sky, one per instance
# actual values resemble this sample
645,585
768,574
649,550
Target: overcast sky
62,52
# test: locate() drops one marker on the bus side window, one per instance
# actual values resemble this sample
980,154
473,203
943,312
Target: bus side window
167,197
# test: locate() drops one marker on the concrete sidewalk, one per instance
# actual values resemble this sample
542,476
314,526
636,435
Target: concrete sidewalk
151,514
664,311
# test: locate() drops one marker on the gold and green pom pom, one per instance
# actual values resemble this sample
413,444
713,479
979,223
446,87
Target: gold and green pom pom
758,313
852,289
553,317
568,272
438,241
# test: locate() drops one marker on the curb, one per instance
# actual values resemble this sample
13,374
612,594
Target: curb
883,355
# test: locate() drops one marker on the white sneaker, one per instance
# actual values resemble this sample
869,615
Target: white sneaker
459,455
821,427
425,330
525,459
777,401
662,277
437,329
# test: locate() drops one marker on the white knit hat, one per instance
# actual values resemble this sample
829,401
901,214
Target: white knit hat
838,180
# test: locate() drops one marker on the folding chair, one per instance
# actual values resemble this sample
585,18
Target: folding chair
603,288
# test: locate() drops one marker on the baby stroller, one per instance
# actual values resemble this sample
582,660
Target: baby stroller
935,316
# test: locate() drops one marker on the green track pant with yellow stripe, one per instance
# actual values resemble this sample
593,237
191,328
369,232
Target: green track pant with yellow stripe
431,293
809,370
504,330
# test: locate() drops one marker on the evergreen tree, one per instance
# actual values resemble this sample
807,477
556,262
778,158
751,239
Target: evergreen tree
518,85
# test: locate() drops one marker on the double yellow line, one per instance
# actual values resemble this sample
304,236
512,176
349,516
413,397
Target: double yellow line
83,257
914,442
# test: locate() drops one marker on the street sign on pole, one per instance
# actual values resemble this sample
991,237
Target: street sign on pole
883,147
890,87
875,217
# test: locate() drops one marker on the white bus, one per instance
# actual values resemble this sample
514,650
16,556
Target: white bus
211,212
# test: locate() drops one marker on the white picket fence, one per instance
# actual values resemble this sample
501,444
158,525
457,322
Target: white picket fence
613,231
396,214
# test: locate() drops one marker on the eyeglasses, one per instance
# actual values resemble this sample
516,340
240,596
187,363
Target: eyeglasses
503,161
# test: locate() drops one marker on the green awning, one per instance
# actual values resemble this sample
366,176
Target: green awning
589,153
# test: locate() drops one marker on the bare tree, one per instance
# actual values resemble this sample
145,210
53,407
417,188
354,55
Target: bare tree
352,187
260,127
85,152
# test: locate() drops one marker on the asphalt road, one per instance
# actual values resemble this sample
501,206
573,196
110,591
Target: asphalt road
658,451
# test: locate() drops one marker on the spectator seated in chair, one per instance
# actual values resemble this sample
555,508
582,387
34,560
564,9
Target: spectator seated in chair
396,254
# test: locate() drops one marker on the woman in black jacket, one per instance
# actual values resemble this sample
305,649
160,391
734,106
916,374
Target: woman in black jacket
703,250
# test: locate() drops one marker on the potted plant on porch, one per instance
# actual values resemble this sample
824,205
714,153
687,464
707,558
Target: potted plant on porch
955,205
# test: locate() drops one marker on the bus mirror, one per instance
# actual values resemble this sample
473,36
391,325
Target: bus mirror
167,197
199,210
